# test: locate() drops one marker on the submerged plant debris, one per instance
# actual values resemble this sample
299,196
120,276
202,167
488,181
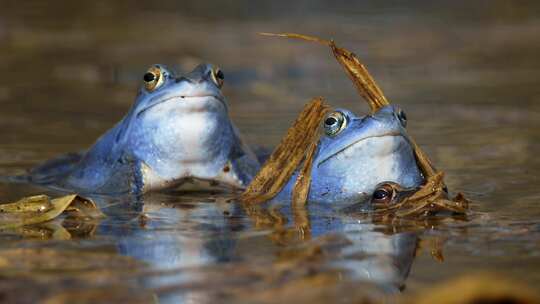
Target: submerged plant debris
41,208
429,199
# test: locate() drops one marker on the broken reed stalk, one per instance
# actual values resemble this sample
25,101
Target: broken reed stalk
288,155
303,181
357,72
425,165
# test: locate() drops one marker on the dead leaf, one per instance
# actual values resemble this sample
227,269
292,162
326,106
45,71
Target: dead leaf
39,209
37,203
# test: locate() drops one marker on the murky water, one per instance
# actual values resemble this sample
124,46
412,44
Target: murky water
466,73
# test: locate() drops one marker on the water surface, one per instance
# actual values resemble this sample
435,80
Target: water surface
467,75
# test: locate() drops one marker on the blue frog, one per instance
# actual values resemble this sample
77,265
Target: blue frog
177,130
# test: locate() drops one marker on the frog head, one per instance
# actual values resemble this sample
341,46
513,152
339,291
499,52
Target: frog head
356,153
179,127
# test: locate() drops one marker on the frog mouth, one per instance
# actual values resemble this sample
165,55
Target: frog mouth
181,98
354,143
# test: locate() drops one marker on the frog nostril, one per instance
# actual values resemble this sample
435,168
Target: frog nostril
402,118
180,79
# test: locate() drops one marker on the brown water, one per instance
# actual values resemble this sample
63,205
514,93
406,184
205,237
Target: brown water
467,74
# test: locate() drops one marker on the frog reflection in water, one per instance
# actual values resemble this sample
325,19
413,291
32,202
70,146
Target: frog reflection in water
184,241
177,129
356,154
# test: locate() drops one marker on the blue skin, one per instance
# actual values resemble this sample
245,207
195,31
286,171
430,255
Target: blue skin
354,156
177,130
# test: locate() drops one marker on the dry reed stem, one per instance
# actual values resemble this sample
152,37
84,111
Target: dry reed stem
301,187
288,155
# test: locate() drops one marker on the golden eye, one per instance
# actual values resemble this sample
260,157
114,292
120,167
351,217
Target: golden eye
218,77
334,123
153,79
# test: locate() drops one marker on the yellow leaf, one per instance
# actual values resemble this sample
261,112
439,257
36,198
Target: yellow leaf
39,209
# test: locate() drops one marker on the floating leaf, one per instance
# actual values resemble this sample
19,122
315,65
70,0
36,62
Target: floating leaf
39,209
37,203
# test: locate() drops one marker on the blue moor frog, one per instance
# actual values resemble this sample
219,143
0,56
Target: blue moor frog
178,129
355,154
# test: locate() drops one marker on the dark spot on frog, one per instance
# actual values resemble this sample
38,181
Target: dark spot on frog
226,169
326,192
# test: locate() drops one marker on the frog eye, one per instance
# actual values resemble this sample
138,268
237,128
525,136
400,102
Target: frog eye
383,194
218,77
334,123
402,117
153,79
